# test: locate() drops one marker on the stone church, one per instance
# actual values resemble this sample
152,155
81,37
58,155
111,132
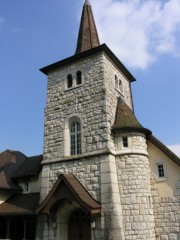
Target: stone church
102,175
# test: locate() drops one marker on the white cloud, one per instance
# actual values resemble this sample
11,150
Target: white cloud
139,31
175,149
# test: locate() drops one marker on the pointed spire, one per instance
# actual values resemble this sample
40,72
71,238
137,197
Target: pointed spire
88,36
87,2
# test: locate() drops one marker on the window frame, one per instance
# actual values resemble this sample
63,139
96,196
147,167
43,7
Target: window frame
75,138
78,78
74,80
69,78
160,171
120,86
26,186
116,81
125,142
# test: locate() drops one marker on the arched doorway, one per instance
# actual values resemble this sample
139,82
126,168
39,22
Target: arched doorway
79,226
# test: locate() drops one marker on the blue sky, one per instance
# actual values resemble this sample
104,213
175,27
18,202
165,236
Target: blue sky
145,35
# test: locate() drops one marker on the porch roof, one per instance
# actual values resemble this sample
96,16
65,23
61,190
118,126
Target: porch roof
68,188
21,204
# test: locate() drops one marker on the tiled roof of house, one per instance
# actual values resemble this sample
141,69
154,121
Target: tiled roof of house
14,164
68,187
30,167
10,161
10,156
6,183
125,119
20,204
88,36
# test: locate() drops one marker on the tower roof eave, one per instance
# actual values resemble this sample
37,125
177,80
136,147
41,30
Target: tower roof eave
78,57
132,129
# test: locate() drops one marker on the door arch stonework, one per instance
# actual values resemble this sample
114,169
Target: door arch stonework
62,217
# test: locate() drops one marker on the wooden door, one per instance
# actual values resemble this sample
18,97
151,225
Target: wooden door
79,226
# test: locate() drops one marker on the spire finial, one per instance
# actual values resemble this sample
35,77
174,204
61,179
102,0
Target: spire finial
88,36
87,2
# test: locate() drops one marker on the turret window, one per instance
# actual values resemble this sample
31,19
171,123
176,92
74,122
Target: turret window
125,142
78,78
69,81
75,138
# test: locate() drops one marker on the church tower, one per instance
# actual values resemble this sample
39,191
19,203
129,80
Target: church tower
95,168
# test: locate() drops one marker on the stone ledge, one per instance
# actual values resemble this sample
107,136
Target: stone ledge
80,156
96,153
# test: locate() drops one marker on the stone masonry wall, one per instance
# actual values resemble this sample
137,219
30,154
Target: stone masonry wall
167,215
167,218
86,100
94,102
110,70
87,171
135,143
135,191
113,92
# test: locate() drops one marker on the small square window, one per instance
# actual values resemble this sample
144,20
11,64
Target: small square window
125,142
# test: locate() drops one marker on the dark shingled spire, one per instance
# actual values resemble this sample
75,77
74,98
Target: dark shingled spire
88,36
125,119
87,2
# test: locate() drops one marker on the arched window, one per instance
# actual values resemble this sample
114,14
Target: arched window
116,81
120,86
75,133
78,78
69,81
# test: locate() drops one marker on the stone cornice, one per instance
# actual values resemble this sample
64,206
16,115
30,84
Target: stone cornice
97,153
89,53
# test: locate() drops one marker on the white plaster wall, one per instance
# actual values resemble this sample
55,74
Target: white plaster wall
166,187
34,184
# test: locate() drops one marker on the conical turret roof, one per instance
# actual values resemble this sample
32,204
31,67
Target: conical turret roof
125,119
88,36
